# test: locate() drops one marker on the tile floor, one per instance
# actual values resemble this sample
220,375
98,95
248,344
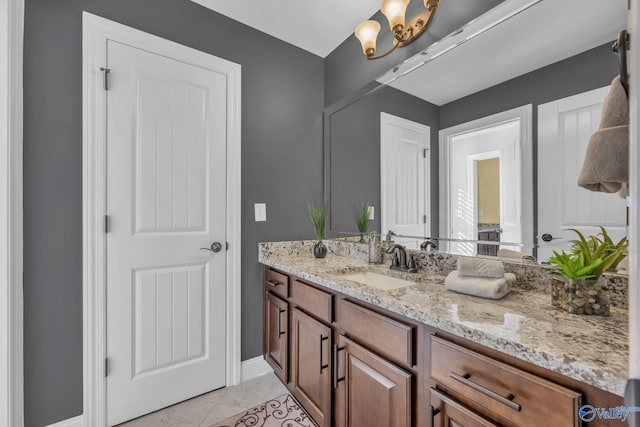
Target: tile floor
202,411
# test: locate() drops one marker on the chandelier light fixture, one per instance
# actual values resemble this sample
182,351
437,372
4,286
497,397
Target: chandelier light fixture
403,33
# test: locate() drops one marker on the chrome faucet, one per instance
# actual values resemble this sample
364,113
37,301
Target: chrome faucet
400,262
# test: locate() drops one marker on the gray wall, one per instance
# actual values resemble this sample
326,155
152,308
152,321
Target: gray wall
589,70
347,69
355,152
282,103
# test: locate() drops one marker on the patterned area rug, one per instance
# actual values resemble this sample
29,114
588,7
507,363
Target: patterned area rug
283,411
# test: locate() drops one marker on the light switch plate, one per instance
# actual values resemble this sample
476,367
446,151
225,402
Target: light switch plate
260,212
371,213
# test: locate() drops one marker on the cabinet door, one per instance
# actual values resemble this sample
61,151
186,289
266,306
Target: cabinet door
370,390
276,335
446,412
311,366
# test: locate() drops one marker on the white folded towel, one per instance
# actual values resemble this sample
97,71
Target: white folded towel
480,267
492,288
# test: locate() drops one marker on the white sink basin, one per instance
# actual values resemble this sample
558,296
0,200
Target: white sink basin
379,281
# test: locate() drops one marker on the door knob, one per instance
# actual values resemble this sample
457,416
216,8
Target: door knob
215,247
546,237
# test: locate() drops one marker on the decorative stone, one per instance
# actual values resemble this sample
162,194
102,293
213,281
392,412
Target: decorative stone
569,296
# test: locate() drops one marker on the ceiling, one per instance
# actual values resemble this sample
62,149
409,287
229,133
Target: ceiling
316,26
545,33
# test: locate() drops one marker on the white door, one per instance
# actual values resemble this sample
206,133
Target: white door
404,178
464,150
564,129
166,169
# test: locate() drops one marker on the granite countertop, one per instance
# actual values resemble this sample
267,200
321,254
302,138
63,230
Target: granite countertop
591,349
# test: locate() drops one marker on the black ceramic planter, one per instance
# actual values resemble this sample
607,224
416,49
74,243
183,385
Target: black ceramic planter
320,250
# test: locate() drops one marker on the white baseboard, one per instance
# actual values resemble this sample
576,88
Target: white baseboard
71,422
253,368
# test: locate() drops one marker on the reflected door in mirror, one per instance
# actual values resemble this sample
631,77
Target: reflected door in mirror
405,176
564,129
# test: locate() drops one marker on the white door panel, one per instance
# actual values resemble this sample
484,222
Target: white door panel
565,127
166,172
404,177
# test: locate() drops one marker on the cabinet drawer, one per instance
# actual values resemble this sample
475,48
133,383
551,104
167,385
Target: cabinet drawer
512,396
277,282
313,300
389,337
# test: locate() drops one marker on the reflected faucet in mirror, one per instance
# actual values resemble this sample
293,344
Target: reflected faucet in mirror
429,245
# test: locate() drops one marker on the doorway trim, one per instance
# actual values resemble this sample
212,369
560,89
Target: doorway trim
525,115
11,214
96,32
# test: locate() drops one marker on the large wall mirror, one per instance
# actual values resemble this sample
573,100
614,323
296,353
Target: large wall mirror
480,137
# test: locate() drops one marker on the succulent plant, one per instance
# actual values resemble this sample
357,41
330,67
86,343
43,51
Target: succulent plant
590,257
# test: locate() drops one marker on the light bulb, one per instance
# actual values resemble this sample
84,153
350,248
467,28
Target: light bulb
367,33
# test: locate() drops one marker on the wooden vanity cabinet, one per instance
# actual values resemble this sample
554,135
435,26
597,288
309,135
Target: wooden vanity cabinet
276,336
444,411
276,322
352,364
347,363
311,366
370,391
545,398
512,396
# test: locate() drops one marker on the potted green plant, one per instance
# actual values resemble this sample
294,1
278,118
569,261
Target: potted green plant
580,290
362,220
601,245
318,218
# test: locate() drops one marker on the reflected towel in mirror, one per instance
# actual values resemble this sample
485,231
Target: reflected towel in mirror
484,287
606,164
520,256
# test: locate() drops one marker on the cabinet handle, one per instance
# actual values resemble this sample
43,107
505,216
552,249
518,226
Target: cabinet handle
507,401
432,412
336,380
322,367
280,331
274,284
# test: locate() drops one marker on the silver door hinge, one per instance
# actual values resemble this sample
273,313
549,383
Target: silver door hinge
106,367
107,224
424,219
424,153
105,73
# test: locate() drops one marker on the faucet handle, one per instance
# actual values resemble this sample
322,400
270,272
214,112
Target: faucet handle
395,261
412,263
